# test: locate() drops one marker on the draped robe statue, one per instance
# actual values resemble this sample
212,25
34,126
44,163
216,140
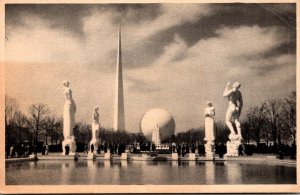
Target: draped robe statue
69,119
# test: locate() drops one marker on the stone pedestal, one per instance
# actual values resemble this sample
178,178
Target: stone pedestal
233,146
91,156
107,155
209,149
192,156
124,156
95,143
174,156
72,145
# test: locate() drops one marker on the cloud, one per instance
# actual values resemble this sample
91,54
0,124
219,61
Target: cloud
161,66
204,68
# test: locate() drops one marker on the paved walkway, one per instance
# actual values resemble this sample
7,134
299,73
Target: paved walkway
255,158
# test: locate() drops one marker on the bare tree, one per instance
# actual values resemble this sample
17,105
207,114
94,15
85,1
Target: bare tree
272,108
36,120
20,121
221,135
11,107
53,128
287,118
257,120
83,133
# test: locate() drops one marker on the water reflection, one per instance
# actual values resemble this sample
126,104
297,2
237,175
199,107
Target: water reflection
146,172
234,175
100,164
210,172
92,169
65,172
174,163
106,163
183,163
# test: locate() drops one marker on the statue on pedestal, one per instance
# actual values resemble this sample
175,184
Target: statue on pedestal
95,130
232,117
69,119
209,130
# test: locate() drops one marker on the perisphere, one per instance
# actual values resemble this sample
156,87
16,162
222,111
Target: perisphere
160,117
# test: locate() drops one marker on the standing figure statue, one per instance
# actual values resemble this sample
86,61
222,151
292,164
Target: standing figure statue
209,122
209,130
95,129
233,115
69,118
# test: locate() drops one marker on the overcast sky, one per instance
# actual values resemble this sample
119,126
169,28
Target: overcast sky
175,56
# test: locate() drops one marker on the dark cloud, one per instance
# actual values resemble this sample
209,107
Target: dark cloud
64,16
69,16
231,15
133,13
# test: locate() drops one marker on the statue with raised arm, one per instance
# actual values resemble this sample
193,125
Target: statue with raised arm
234,110
232,117
69,118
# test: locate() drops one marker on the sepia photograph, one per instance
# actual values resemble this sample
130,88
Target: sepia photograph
149,97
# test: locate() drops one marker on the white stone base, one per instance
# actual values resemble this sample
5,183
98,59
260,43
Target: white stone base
144,156
233,147
91,156
192,156
95,143
209,149
124,156
174,156
72,145
107,156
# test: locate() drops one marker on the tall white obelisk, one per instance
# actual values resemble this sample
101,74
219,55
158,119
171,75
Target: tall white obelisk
119,119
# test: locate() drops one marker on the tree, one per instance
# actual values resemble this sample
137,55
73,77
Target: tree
257,120
37,118
83,133
272,108
53,128
11,107
287,118
221,134
20,122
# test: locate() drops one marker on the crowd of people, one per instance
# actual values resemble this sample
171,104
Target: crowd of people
24,150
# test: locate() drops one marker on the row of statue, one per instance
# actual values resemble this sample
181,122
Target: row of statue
232,121
232,117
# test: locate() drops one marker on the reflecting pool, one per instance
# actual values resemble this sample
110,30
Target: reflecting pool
146,172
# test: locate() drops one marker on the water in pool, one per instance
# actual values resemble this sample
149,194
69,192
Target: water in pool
70,172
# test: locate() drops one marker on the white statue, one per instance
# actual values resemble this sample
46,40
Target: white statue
69,118
95,124
232,117
209,130
209,122
234,109
95,130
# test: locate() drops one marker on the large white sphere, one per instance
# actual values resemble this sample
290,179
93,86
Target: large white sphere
160,117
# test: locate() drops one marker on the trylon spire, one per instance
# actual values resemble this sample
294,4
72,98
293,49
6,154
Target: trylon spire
119,116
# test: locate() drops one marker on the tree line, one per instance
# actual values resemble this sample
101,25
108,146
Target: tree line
272,121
